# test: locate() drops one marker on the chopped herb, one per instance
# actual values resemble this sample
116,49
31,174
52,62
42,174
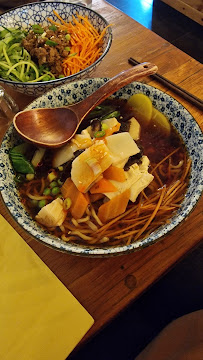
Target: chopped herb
37,29
51,43
53,27
99,134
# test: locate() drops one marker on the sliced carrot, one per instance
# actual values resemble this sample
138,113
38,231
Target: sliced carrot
112,130
95,197
79,201
102,186
114,207
114,173
87,197
79,206
69,189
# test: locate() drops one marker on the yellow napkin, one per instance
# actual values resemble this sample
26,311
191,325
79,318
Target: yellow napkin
39,318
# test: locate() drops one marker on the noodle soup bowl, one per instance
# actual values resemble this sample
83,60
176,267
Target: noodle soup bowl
38,13
182,120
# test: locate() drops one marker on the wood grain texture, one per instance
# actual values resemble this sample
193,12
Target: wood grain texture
107,286
191,8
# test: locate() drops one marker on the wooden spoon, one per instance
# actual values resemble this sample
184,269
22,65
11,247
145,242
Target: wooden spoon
54,127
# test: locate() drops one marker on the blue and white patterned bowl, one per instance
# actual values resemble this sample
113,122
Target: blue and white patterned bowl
74,92
37,13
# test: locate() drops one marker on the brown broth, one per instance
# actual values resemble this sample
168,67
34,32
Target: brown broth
153,143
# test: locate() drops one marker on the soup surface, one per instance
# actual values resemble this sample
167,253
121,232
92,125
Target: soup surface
122,176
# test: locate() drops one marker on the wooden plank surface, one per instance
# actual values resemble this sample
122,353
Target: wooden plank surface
107,286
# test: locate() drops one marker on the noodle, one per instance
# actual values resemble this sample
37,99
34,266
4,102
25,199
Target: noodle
154,206
168,156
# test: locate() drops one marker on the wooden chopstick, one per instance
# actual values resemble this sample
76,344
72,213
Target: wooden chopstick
177,89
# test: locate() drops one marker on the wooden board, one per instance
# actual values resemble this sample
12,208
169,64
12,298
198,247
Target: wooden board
105,287
191,8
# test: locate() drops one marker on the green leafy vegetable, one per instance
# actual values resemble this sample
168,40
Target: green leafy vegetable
20,149
19,161
100,111
115,114
21,164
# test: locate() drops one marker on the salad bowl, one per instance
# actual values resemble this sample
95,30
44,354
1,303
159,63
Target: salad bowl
37,14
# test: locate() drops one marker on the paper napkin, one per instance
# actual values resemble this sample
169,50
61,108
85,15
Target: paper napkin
39,318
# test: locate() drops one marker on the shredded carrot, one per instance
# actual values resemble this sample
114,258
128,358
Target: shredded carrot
85,43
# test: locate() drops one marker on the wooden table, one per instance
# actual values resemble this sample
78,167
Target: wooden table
105,286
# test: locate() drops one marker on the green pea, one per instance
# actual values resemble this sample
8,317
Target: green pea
55,190
53,184
46,191
42,203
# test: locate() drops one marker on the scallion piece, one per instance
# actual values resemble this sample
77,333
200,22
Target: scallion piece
37,29
51,43
99,134
67,36
53,27
67,203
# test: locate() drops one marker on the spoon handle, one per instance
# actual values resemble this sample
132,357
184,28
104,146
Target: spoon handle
117,82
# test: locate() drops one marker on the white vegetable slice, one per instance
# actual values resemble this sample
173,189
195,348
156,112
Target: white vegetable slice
140,185
132,175
38,156
52,214
83,140
145,164
135,129
63,154
137,180
82,173
110,122
121,146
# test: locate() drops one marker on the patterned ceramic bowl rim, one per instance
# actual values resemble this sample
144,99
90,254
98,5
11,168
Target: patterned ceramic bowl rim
70,77
187,127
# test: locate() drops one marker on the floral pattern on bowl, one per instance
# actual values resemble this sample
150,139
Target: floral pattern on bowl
185,124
